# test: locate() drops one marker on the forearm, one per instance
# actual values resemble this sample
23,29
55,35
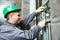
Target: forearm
33,32
29,18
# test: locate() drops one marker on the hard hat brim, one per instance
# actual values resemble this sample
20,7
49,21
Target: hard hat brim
18,10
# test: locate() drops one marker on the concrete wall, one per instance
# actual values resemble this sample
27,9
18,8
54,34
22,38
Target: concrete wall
25,7
55,17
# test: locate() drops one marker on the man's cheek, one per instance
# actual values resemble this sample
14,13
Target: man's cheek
13,17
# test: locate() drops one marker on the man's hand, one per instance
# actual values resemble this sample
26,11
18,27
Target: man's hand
40,9
42,23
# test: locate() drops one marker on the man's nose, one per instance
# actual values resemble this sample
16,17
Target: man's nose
20,17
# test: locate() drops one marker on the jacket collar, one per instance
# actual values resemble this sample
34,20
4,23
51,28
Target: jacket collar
8,23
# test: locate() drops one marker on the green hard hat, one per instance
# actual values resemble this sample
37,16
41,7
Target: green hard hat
10,8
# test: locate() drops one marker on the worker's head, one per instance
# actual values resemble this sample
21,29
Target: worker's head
12,13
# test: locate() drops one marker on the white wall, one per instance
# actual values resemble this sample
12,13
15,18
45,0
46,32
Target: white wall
32,5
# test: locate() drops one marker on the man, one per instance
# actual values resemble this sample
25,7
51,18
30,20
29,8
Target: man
10,31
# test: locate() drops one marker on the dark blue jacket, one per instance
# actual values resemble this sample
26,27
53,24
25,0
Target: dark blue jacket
9,31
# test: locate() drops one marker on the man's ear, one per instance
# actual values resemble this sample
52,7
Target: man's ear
11,15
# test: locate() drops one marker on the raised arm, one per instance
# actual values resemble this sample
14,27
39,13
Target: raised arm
30,17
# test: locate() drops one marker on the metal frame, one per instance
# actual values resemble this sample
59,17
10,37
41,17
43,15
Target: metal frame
45,33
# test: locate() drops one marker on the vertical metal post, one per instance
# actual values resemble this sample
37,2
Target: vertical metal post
38,4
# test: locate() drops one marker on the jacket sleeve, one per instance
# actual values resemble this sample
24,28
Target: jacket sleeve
32,33
27,20
18,34
28,34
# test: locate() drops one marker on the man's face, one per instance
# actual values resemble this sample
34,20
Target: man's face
16,17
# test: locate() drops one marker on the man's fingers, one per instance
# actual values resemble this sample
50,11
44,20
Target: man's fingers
40,9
